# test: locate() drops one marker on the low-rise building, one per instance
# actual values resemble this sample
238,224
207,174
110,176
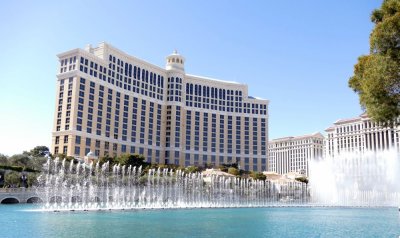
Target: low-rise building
292,154
358,135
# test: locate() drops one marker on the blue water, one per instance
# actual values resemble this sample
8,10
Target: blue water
15,221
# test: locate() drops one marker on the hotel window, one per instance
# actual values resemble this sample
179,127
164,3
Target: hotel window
77,150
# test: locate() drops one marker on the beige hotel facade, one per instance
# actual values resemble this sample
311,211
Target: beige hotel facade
293,153
360,135
110,103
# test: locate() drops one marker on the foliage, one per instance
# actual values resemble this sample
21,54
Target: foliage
18,168
63,156
32,179
132,159
223,168
258,175
3,159
180,168
302,179
36,163
192,169
12,179
233,171
106,159
376,76
208,166
40,151
22,160
234,165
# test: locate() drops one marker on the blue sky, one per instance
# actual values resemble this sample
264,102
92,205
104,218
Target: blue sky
297,54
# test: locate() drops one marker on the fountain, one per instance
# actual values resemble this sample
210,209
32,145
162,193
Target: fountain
83,186
354,179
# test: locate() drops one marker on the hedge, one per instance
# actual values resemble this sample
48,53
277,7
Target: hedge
18,168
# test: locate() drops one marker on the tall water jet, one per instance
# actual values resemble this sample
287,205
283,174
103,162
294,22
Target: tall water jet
354,179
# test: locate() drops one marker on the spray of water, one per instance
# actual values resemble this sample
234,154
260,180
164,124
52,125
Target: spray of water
93,187
354,179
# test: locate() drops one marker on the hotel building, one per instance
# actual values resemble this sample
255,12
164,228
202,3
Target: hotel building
359,134
111,103
292,154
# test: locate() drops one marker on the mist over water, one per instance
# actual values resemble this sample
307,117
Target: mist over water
354,179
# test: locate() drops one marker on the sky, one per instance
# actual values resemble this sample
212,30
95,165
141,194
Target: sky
297,54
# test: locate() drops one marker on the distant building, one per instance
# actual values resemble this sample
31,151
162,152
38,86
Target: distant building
112,103
358,135
292,154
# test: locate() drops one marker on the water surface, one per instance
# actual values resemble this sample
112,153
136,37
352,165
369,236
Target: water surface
16,221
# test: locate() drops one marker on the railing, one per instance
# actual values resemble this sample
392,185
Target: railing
16,190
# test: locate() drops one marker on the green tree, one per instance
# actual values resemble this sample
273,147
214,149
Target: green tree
131,159
12,179
302,179
38,162
192,169
22,160
233,171
107,158
223,168
376,76
39,151
3,159
258,175
32,179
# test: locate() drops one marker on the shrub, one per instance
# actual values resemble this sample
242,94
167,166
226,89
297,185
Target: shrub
302,179
192,169
233,171
258,175
12,179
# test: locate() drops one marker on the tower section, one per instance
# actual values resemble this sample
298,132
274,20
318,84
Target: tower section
173,137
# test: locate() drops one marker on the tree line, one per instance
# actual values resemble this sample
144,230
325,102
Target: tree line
22,170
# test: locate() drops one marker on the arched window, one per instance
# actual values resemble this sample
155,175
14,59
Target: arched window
173,60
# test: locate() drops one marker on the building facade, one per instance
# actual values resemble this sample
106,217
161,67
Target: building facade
292,154
111,103
358,135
